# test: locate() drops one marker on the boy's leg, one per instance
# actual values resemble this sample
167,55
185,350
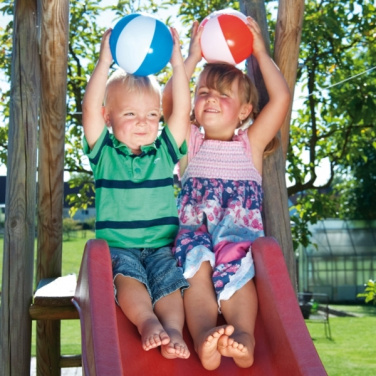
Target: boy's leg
170,312
240,311
135,302
201,311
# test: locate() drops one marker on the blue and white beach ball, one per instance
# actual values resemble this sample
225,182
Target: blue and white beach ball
141,44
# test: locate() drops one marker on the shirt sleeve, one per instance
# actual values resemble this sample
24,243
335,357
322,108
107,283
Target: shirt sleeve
175,152
98,145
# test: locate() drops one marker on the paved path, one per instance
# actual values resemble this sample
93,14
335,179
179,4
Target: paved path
64,371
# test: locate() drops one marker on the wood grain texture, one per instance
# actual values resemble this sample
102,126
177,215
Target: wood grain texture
54,61
20,194
286,52
275,208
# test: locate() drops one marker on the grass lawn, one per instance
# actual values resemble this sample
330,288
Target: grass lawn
350,352
72,256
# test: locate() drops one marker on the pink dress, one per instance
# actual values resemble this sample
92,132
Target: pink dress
219,207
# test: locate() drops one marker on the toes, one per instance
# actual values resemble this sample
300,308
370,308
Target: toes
175,350
156,340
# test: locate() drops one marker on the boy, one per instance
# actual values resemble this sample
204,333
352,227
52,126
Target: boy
136,209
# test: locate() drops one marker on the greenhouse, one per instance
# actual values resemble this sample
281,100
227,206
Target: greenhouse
340,260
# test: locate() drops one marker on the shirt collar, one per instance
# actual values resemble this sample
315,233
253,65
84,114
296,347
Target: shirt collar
124,148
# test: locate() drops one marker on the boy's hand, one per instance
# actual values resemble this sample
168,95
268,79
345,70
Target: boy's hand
176,57
105,55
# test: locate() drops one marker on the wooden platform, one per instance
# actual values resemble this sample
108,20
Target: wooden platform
53,299
53,302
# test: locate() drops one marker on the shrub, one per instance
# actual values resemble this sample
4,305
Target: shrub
369,292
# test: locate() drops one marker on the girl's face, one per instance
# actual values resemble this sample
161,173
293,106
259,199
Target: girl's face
219,113
133,116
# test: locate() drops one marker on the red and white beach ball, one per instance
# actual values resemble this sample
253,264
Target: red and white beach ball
226,37
141,44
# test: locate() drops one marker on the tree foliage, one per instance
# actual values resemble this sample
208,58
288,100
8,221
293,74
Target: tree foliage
369,293
333,121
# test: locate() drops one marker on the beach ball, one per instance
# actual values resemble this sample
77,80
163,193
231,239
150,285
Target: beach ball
226,37
141,44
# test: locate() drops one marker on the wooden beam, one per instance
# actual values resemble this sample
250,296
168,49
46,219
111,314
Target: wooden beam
275,208
286,51
54,53
38,312
68,361
15,337
53,299
54,63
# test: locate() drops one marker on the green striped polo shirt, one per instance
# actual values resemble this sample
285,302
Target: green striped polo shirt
134,194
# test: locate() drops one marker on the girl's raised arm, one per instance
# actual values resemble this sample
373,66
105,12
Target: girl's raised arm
194,56
271,117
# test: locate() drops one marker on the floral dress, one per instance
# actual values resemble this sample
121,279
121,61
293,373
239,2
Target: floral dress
219,207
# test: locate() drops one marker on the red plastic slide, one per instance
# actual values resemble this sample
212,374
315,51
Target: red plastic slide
111,345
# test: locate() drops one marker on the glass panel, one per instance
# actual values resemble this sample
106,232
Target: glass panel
341,278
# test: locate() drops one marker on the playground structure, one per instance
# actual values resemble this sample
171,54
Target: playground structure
37,130
111,344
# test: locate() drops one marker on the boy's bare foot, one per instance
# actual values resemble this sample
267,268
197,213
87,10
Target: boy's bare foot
240,347
176,348
153,334
208,350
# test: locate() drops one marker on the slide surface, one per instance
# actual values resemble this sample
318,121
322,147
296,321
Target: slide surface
111,344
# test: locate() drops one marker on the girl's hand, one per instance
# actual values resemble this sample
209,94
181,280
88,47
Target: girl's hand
194,45
105,55
176,57
258,41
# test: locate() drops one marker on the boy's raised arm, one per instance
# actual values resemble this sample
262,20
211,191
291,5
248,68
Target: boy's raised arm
92,104
178,117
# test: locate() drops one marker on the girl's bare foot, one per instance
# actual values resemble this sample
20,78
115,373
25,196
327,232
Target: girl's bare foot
240,347
153,334
176,348
208,350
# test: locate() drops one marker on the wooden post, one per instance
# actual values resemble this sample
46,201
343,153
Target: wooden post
54,53
275,208
286,51
17,285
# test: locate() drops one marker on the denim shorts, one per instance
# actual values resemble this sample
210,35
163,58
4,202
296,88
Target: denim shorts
154,267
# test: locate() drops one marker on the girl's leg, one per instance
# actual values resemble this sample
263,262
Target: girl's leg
201,311
170,312
136,304
240,311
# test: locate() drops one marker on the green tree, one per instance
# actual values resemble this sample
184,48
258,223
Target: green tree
5,70
84,40
334,117
358,192
335,122
369,293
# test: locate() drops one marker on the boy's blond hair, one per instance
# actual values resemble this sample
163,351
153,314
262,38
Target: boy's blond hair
144,84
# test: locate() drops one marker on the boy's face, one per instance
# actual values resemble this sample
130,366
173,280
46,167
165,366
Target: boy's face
133,116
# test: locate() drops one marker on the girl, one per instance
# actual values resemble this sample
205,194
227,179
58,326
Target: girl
221,200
